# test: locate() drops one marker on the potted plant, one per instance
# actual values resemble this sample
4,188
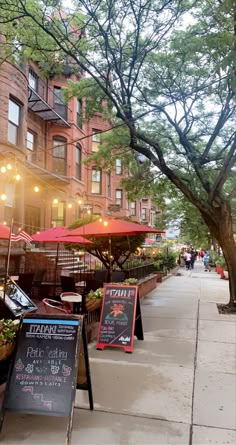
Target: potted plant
94,299
130,281
8,329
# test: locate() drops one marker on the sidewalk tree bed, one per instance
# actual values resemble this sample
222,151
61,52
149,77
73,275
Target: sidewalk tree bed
170,89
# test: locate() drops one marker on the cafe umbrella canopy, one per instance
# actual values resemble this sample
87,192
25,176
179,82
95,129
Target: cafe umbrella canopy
111,227
4,232
57,235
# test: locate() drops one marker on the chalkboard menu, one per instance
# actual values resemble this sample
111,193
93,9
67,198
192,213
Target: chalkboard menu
44,370
118,316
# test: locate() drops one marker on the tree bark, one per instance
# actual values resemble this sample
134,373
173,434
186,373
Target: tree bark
221,227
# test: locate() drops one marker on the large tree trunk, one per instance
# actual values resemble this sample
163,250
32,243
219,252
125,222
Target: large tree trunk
221,227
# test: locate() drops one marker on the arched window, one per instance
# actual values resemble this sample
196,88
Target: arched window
59,155
78,161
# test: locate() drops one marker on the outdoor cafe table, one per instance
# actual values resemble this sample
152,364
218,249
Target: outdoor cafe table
72,297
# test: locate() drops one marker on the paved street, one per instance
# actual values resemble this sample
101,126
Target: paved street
177,387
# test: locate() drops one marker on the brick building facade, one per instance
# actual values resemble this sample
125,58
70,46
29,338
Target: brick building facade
43,145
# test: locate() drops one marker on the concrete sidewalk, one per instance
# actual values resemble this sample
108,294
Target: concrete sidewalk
177,387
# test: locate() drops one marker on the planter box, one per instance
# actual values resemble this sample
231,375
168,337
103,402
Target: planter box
226,274
159,277
146,285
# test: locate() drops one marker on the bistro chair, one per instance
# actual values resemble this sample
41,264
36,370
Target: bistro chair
55,307
74,301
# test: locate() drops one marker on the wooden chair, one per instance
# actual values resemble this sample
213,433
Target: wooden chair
55,307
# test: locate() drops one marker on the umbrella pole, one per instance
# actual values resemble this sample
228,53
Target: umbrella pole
110,271
8,258
55,274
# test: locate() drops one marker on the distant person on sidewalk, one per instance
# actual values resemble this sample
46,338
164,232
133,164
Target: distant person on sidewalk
193,257
188,260
206,260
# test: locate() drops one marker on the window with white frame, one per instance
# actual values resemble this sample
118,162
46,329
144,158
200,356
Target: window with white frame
30,145
144,214
78,160
96,181
96,139
133,208
33,80
118,167
58,214
108,185
79,114
59,102
13,122
59,155
119,197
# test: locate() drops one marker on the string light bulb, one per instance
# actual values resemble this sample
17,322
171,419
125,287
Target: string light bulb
36,189
9,167
18,177
55,201
3,197
3,169
105,223
70,206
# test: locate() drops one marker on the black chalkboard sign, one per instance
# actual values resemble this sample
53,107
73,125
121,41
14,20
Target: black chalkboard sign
120,311
44,370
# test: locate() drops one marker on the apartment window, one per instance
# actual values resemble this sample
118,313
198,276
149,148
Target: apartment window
96,139
59,155
30,145
13,122
144,214
78,161
79,116
118,167
32,219
59,102
119,196
58,213
33,80
96,181
133,208
109,185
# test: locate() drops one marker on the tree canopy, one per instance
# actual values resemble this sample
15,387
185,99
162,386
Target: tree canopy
165,70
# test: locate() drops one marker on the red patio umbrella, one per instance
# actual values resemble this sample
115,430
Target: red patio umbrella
4,232
55,235
111,227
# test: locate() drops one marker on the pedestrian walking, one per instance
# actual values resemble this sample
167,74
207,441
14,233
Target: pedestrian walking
188,260
206,260
193,258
